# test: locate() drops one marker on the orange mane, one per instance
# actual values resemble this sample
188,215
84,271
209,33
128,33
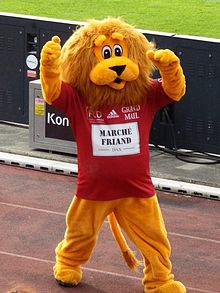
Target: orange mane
78,59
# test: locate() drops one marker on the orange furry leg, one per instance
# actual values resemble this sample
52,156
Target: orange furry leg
143,223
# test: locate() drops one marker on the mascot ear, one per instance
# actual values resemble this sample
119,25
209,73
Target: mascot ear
100,40
117,36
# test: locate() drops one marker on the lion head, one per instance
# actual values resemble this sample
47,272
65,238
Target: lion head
106,61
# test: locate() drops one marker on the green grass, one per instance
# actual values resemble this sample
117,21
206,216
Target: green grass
191,17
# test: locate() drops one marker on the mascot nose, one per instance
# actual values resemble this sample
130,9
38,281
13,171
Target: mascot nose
118,69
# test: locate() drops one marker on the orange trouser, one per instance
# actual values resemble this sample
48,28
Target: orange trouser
141,220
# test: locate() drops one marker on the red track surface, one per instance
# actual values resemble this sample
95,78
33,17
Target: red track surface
32,214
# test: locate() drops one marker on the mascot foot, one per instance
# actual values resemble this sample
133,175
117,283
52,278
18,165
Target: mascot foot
67,276
61,283
171,287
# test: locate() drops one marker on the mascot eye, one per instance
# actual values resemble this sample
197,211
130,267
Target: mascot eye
106,52
118,50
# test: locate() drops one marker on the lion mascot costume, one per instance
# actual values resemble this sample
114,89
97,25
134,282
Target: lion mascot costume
101,79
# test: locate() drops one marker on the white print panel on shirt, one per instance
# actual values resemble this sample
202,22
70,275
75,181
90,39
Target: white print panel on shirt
115,139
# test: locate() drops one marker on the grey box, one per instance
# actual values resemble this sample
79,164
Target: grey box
49,129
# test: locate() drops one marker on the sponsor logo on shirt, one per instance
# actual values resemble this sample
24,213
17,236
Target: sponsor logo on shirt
112,114
95,116
131,112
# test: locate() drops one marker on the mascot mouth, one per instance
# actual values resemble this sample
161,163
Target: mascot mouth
118,80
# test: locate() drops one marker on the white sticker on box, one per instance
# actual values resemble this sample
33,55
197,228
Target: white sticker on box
32,61
115,139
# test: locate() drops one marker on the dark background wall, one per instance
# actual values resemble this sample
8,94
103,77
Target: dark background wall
193,123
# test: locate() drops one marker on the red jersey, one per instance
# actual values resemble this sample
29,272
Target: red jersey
112,143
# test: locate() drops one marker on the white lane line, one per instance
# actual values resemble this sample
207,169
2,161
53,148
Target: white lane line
91,269
106,222
194,237
26,257
200,290
52,262
30,208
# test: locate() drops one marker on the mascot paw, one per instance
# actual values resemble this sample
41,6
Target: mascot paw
51,52
163,58
67,276
171,287
173,79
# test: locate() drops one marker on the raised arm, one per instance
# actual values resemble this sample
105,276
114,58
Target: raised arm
173,79
50,70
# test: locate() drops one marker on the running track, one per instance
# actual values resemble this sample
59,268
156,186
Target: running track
32,215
